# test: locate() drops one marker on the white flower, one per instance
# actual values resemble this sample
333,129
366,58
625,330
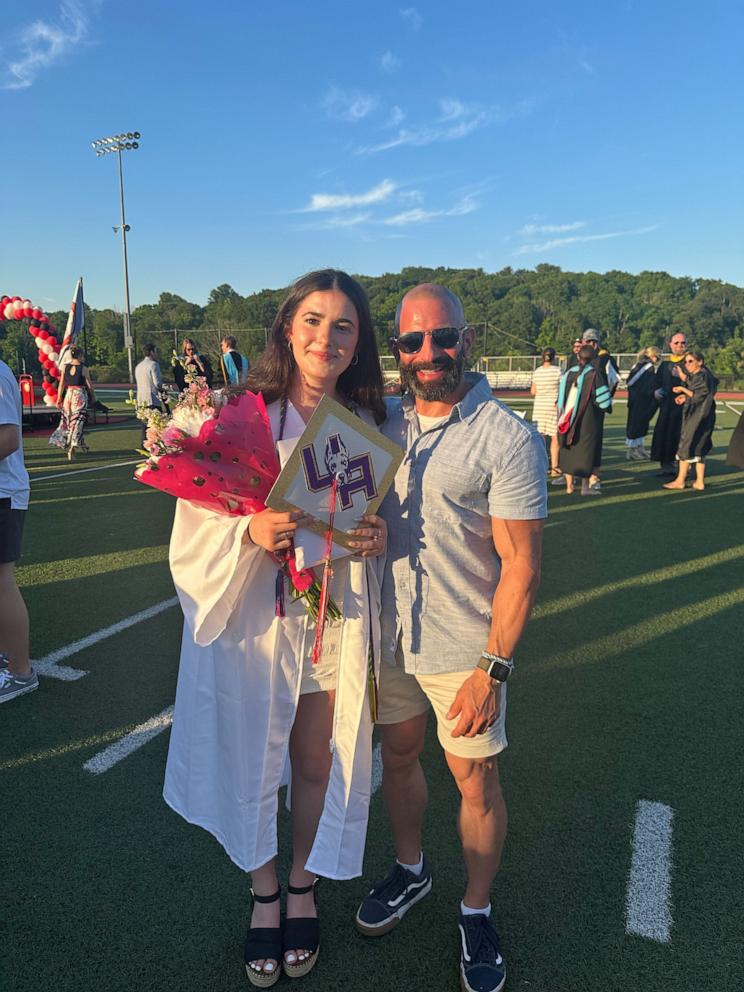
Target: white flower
190,419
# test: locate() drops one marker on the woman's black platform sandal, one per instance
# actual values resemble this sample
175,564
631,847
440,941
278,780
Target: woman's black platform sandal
263,944
302,933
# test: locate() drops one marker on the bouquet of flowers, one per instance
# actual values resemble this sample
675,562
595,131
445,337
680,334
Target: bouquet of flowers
218,453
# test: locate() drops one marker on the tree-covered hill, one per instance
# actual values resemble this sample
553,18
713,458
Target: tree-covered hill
516,311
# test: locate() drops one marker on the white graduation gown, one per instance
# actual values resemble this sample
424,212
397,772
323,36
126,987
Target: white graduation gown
239,685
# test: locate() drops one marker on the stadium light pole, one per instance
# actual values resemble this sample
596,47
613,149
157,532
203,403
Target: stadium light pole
104,146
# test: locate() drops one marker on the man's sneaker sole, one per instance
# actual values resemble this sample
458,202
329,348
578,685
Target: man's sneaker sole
465,987
380,929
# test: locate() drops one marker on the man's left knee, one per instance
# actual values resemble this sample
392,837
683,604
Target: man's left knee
479,784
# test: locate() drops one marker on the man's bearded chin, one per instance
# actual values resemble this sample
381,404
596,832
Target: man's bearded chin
433,392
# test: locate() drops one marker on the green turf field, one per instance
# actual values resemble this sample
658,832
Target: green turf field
628,688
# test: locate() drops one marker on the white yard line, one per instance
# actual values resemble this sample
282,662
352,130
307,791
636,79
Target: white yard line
648,899
114,753
79,471
49,664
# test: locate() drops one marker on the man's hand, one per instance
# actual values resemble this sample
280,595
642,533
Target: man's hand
478,701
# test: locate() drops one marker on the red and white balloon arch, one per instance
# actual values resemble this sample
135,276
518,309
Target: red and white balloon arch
43,332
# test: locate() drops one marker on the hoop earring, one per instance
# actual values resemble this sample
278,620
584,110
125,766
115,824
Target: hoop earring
289,349
355,360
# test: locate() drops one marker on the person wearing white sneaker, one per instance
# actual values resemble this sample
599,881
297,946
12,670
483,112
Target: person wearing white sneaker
642,403
16,675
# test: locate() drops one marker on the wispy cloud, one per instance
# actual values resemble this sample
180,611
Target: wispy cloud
389,62
413,16
417,215
345,220
456,120
587,67
42,44
347,201
536,248
397,116
348,105
529,230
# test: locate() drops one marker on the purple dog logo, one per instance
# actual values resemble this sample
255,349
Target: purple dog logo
355,474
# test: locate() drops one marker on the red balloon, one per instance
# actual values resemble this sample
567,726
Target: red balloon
54,372
36,313
44,335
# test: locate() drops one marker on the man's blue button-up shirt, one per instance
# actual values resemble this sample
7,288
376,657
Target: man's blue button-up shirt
442,569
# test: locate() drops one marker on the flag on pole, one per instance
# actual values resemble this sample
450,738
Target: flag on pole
75,323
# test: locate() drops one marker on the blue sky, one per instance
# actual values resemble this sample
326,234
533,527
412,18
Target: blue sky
280,137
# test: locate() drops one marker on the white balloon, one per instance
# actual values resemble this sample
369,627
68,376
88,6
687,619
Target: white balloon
9,311
54,357
49,400
39,343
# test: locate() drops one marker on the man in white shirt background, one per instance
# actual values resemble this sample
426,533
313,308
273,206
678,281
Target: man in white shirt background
149,380
16,674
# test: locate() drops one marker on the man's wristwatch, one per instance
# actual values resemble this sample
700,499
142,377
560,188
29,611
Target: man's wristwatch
497,667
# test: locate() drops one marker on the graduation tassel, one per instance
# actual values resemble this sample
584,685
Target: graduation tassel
279,593
325,588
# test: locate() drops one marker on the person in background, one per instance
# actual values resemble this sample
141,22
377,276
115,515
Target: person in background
149,380
698,402
544,388
74,395
192,363
670,373
233,366
606,365
642,403
16,674
583,399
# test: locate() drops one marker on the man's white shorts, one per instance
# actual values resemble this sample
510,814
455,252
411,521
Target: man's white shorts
403,696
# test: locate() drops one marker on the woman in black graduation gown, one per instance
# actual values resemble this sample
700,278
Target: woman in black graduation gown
642,403
583,400
697,398
735,453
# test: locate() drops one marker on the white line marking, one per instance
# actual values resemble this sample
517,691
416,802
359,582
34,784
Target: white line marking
79,471
49,664
648,902
114,753
376,768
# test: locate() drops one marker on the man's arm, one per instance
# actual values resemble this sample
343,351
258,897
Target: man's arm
8,439
518,544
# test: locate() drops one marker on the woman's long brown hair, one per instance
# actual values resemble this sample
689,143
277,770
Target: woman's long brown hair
361,382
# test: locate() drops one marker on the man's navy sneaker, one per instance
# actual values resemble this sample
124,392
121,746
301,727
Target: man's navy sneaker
390,900
482,968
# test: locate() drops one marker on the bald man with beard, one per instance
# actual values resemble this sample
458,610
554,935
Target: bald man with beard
465,518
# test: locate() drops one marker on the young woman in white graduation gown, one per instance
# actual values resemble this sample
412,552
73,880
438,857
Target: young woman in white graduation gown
250,705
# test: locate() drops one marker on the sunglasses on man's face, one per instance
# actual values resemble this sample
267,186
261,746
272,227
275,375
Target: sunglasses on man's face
413,341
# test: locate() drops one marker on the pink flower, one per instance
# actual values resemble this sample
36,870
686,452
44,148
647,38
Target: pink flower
152,434
172,435
303,579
